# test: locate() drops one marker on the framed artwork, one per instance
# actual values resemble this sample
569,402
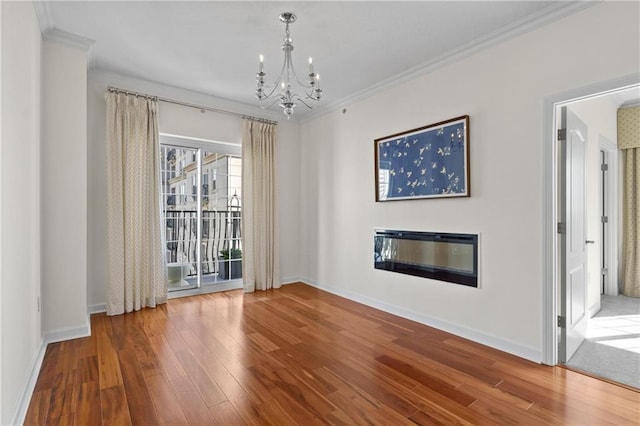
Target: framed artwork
428,162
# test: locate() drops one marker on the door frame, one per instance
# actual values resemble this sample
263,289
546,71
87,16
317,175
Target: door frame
223,148
612,198
550,266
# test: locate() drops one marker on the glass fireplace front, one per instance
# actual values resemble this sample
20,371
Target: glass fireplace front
441,256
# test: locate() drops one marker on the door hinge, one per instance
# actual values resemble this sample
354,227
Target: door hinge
562,321
562,134
604,167
604,271
604,219
562,228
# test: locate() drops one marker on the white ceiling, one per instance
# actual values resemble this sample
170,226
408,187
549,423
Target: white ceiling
212,47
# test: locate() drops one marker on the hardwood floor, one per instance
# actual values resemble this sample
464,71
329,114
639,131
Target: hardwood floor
299,355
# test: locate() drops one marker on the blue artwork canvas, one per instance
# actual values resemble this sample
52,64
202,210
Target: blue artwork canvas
428,162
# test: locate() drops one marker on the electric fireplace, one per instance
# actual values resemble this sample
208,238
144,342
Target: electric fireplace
441,256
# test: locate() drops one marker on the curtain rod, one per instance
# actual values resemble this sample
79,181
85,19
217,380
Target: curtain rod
200,107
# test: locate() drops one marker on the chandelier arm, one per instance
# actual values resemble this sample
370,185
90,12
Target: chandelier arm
304,103
312,97
276,84
301,99
272,103
273,88
297,79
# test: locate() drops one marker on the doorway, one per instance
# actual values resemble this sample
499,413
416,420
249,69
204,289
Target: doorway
600,205
201,199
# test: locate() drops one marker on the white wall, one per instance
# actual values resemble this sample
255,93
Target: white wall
190,122
64,189
600,116
21,335
1,109
502,89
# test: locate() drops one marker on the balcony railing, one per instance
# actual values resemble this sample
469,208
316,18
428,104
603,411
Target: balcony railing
220,231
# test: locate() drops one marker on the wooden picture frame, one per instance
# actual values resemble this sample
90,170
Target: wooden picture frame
427,162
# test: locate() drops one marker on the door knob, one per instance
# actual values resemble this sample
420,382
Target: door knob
590,242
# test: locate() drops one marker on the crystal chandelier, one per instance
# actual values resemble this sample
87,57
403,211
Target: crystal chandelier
291,89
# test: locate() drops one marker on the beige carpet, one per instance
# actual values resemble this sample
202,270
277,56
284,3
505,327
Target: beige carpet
612,347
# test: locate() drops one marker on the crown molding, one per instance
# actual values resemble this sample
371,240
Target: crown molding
630,104
69,39
532,22
44,15
50,32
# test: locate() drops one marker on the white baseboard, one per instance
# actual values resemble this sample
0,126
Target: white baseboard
98,308
27,393
526,352
69,333
290,280
593,310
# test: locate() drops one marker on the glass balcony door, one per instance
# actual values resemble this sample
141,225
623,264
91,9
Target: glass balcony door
201,196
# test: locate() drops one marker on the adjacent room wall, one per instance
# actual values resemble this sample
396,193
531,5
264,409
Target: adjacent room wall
600,116
20,335
190,122
64,190
502,89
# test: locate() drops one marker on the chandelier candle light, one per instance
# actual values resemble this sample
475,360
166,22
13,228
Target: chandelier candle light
288,81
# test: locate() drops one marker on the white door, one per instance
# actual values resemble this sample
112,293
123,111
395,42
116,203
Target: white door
573,264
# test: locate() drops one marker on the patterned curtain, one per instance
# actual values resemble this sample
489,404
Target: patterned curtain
135,270
629,143
260,258
631,214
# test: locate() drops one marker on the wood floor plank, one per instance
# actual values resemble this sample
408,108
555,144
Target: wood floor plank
296,409
422,377
170,365
66,420
61,398
38,407
88,370
451,407
115,409
256,389
88,407
225,414
298,363
209,390
459,360
191,403
221,376
108,364
438,406
503,414
374,387
164,400
248,410
298,390
48,371
484,392
275,414
138,398
299,355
